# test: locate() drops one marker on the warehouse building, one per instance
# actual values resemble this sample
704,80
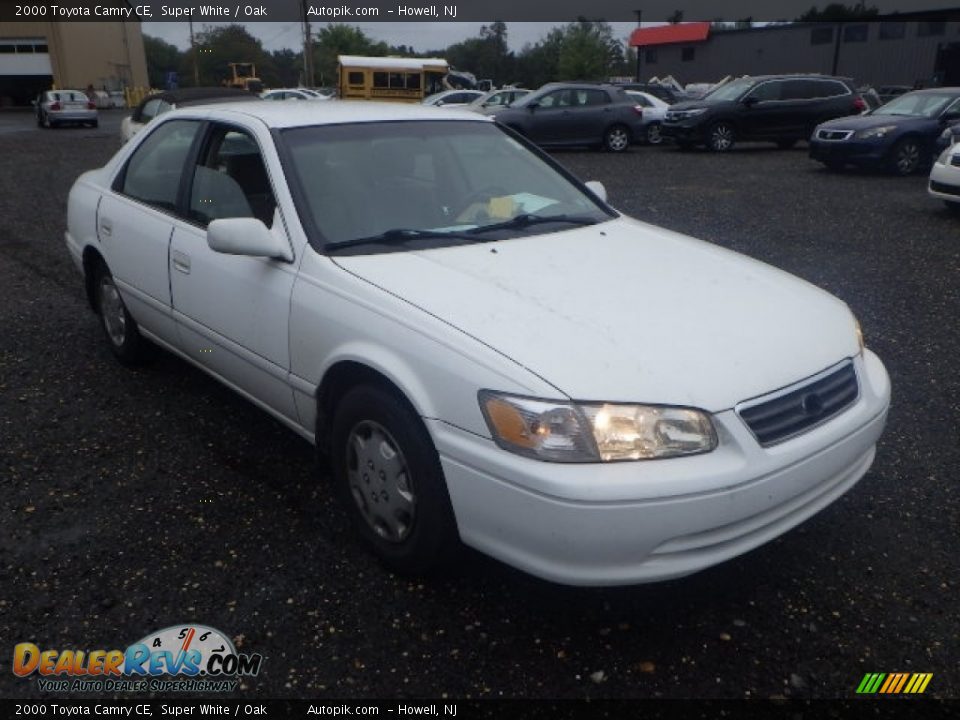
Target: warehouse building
36,56
917,49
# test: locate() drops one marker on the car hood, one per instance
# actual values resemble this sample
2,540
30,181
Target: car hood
625,311
865,122
703,103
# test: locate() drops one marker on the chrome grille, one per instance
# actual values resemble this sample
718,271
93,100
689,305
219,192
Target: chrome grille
834,134
801,407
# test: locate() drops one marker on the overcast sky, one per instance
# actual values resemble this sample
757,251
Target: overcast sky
422,36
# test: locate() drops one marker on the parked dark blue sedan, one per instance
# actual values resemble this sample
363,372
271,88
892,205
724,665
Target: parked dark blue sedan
900,136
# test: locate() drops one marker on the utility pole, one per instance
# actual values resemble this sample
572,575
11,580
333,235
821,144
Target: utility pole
639,14
193,51
307,47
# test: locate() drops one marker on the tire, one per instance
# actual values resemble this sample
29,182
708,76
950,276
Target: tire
616,139
95,124
388,477
786,144
46,122
653,134
721,137
119,327
39,120
906,157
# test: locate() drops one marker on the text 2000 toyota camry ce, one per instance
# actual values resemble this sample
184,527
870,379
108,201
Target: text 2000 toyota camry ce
486,351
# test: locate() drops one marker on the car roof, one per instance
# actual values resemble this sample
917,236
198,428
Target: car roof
289,115
936,91
198,94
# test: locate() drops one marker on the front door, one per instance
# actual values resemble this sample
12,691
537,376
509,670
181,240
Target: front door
232,311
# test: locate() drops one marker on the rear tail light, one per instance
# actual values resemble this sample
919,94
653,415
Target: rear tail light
55,106
638,109
91,105
859,104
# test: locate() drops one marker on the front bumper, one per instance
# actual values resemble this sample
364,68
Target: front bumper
853,152
684,132
633,522
945,182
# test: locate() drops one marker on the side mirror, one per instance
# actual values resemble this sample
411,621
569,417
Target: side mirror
597,188
246,236
533,106
750,101
950,117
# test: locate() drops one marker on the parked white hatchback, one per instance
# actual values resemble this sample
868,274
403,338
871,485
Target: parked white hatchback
483,347
945,177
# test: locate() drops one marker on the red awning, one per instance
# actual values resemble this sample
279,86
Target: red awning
667,34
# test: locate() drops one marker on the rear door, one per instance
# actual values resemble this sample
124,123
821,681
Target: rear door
136,219
765,113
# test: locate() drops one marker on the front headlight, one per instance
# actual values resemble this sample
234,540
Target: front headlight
594,432
877,132
684,114
859,330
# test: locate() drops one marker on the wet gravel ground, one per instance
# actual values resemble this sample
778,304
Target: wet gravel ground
135,500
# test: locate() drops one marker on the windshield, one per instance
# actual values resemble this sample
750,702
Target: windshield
427,184
730,91
926,105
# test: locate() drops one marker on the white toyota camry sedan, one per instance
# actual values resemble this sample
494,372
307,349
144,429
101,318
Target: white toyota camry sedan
485,349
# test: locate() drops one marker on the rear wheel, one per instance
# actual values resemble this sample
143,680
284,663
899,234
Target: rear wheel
616,139
905,158
120,329
721,137
389,479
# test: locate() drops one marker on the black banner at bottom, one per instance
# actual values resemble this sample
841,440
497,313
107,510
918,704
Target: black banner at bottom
926,708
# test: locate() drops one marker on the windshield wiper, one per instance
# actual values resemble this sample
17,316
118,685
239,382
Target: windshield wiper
399,236
528,219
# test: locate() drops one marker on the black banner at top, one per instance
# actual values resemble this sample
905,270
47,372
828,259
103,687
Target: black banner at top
350,11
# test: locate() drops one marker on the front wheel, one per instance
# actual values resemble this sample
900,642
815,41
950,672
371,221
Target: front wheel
616,139
389,479
123,335
654,137
722,137
906,157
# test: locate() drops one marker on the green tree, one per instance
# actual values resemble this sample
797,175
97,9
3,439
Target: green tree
336,39
539,63
486,56
162,57
286,71
835,12
589,51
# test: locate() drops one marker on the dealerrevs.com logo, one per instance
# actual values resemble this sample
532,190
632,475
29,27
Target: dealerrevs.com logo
186,658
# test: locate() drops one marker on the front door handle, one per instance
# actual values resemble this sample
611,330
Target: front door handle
181,262
106,227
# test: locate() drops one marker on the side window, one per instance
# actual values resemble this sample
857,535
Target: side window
554,99
594,97
230,180
149,111
801,89
355,78
767,91
153,173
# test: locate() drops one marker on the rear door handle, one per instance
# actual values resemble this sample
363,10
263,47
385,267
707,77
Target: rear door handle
106,227
181,262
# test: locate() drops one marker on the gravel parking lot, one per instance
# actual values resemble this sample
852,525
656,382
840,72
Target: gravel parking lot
136,500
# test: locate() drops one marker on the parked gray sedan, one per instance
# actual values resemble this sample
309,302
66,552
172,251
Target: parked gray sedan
57,107
590,114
